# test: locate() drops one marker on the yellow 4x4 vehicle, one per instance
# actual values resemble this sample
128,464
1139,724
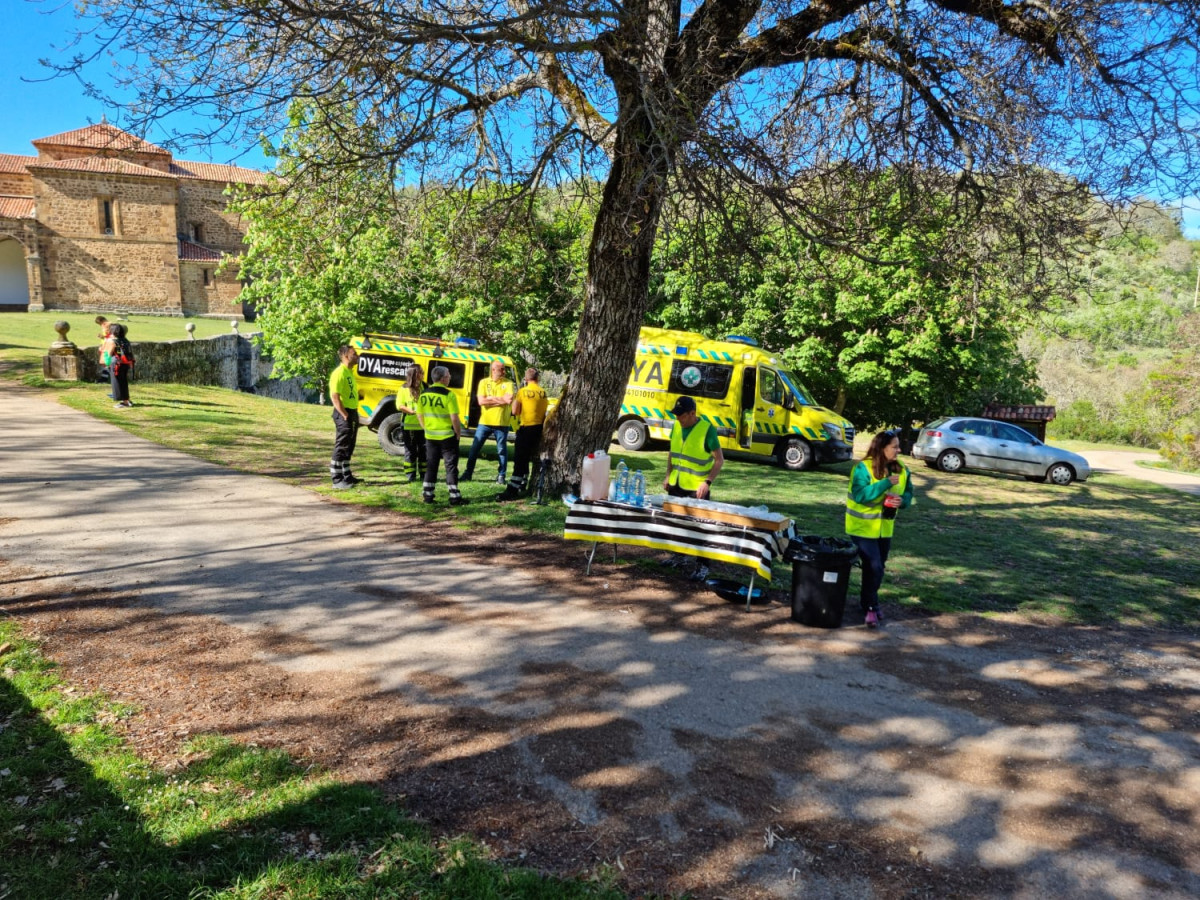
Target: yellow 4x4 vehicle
383,363
756,405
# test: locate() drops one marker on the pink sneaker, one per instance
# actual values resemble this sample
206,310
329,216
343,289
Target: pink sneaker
872,619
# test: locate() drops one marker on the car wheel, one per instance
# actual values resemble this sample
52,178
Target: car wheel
1061,474
632,434
951,461
796,455
391,435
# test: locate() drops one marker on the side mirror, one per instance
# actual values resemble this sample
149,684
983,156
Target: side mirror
789,402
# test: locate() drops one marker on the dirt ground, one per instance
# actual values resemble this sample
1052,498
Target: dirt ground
736,829
630,721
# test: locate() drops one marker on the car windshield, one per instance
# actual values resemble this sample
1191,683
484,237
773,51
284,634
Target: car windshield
803,397
937,423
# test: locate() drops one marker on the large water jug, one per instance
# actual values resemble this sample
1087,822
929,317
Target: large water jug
593,482
622,482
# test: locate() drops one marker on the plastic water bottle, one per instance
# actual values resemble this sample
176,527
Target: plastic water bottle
622,483
638,489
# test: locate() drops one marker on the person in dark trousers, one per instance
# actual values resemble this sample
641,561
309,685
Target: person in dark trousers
879,488
529,409
343,393
414,437
119,356
437,410
696,456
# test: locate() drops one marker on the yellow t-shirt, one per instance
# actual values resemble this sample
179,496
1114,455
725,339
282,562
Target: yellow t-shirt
533,405
341,382
495,415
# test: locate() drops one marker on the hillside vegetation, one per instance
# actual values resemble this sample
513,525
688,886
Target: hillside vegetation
1121,362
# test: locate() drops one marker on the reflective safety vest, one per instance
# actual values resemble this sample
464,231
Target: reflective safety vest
404,398
437,404
866,519
690,462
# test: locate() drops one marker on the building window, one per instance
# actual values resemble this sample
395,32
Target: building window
207,276
108,215
196,232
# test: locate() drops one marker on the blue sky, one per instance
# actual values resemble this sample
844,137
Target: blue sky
35,30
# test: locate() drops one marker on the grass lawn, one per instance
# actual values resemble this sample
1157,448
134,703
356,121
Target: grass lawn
25,337
83,817
1111,550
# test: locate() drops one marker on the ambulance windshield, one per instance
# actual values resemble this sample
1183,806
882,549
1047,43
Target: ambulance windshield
803,397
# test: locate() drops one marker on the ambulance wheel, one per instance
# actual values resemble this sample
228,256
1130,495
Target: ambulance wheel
391,435
796,454
632,434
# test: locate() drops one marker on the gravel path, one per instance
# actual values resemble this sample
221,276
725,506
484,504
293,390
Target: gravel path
1125,462
990,759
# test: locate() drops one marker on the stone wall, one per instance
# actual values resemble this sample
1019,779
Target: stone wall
204,203
83,268
231,361
220,297
16,185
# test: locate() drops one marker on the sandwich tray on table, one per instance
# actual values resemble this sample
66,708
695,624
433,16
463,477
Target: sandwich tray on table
727,513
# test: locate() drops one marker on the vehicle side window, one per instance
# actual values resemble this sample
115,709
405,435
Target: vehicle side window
697,379
976,427
769,386
457,371
1012,435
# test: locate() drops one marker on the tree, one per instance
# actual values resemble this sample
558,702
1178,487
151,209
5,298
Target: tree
881,343
334,251
648,92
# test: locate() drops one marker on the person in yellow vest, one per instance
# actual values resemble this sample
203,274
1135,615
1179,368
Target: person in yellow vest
495,397
696,458
437,411
529,409
343,394
880,487
413,436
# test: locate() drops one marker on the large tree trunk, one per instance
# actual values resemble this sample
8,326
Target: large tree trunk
615,305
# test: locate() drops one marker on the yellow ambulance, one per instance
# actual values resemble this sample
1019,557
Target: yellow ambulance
756,405
383,363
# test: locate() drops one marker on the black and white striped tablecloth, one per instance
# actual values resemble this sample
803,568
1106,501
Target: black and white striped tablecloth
616,523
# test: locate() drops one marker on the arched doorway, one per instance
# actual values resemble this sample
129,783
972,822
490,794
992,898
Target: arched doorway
14,277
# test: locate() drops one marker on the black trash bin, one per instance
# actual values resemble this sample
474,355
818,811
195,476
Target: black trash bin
820,578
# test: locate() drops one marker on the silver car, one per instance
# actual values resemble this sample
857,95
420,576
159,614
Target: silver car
957,442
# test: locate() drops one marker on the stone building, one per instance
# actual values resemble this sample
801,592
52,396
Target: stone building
100,219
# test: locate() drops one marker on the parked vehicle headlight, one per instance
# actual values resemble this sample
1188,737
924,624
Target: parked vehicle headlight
834,431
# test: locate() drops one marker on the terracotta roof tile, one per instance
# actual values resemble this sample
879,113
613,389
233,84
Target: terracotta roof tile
1020,413
14,163
16,207
101,136
100,165
217,172
193,252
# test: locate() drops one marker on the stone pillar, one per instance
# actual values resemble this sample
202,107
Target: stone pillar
62,363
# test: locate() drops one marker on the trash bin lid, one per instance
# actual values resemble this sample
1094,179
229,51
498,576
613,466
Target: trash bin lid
811,548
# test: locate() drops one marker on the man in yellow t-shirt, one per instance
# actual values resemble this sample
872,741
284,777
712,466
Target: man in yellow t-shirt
343,394
529,407
495,397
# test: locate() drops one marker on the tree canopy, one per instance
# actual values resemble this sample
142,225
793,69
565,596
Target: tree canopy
646,95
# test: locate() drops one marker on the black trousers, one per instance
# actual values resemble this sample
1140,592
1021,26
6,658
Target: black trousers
529,441
414,451
345,436
444,450
118,376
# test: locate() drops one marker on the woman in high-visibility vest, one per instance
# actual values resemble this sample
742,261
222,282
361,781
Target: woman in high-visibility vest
880,486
